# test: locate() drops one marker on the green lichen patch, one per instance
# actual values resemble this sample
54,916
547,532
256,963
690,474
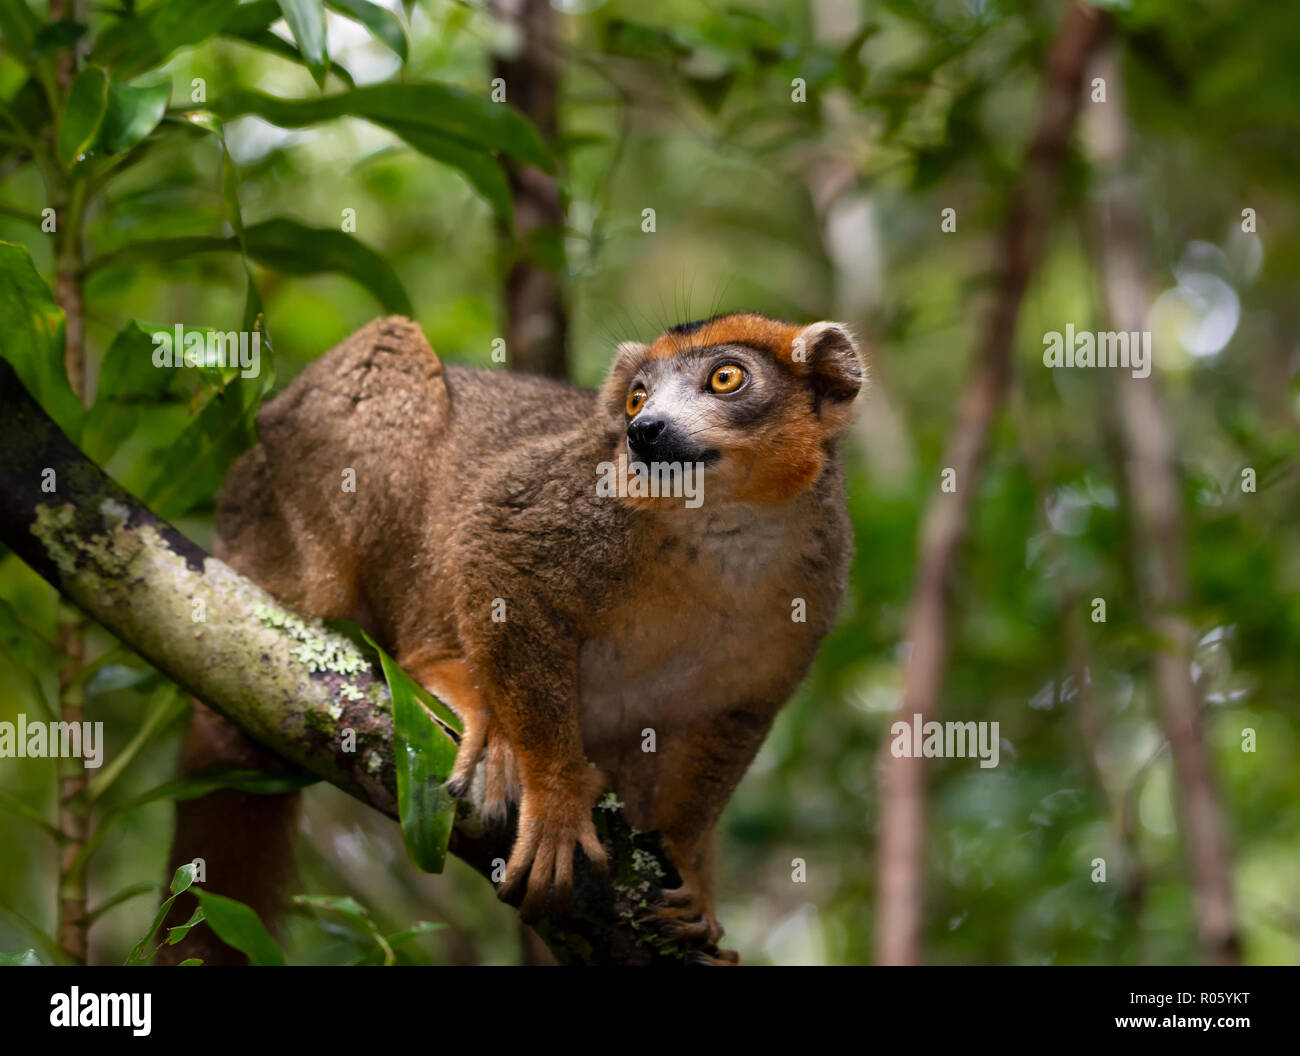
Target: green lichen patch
55,527
317,649
646,863
77,550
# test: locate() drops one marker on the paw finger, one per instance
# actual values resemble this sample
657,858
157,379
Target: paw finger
595,852
520,859
563,889
539,882
677,896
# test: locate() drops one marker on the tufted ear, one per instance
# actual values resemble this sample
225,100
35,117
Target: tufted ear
613,392
833,370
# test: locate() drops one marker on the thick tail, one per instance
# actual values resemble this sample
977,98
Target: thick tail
245,842
373,403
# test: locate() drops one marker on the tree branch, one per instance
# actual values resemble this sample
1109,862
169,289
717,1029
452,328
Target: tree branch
899,900
1150,467
226,641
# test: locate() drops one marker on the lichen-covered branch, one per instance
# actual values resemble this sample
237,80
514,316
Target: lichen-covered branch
288,681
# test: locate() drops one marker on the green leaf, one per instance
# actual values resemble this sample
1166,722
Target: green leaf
447,124
283,245
133,112
351,911
53,950
147,40
296,249
31,107
127,379
420,927
193,466
178,933
342,904
21,959
82,115
268,41
248,18
306,20
473,119
190,962
238,926
380,21
182,880
61,34
423,754
32,328
251,23
20,27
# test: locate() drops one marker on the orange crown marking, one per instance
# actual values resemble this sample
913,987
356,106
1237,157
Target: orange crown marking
739,328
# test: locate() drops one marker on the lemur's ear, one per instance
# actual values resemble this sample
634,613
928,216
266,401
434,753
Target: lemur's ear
613,393
833,369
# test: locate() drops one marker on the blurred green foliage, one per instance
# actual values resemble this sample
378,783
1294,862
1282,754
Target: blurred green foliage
824,208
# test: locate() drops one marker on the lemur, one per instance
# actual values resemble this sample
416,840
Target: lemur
559,622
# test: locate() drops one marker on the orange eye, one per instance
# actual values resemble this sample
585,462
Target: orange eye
726,379
636,401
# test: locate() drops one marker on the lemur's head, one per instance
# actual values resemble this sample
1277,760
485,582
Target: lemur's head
756,400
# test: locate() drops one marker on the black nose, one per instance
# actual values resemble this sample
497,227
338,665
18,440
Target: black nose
644,433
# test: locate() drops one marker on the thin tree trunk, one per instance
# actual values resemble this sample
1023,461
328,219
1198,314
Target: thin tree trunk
901,854
72,795
73,820
1149,464
536,315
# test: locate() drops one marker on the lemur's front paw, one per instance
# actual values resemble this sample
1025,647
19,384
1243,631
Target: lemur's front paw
553,822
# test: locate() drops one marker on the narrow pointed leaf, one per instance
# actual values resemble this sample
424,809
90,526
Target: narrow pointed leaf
306,20
32,325
148,39
127,380
237,925
133,112
82,115
379,20
296,249
21,959
442,108
423,754
20,27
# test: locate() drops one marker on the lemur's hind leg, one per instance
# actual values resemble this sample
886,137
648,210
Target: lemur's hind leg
718,751
451,680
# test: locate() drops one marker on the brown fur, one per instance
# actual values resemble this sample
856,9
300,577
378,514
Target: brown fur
476,485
